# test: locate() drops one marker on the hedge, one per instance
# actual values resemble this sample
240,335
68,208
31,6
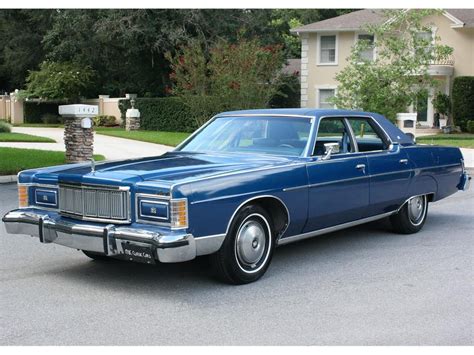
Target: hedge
34,111
162,114
463,101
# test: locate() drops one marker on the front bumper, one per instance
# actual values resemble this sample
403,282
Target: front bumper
52,228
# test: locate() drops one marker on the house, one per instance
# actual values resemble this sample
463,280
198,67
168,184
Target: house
326,45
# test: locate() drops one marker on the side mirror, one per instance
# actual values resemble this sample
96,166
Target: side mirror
330,148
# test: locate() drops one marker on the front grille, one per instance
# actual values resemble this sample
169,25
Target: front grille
95,203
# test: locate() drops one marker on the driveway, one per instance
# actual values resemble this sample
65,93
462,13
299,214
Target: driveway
361,286
111,147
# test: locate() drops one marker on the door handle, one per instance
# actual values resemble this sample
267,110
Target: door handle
361,167
404,161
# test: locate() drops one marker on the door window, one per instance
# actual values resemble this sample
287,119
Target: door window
367,136
333,130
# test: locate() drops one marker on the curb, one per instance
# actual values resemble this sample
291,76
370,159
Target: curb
8,179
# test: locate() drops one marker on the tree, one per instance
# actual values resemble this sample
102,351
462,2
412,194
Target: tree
59,81
21,33
229,76
390,83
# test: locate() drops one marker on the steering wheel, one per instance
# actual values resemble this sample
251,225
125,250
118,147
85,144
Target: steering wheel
285,145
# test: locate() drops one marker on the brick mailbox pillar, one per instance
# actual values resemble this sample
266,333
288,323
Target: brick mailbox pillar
78,133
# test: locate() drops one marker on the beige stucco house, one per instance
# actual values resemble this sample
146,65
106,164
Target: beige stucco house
326,45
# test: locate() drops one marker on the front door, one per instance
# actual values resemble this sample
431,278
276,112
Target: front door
422,107
339,186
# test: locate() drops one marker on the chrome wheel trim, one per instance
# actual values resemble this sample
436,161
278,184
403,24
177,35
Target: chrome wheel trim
253,243
417,209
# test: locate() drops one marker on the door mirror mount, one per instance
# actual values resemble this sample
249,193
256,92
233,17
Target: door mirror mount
330,148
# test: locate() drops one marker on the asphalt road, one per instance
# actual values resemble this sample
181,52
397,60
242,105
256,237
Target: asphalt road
361,286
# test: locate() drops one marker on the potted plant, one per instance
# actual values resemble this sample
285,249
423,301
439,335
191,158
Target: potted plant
442,105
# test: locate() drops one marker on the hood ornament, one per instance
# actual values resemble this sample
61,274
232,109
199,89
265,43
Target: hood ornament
92,166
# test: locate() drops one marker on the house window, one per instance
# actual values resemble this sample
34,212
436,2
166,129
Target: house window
328,49
424,43
368,54
324,98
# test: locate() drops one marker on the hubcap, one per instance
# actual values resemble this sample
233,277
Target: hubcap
251,243
416,207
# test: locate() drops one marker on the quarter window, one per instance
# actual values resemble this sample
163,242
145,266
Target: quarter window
327,49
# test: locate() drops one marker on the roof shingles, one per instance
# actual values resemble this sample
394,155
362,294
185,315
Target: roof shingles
357,19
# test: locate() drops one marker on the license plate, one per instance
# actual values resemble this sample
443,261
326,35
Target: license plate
141,254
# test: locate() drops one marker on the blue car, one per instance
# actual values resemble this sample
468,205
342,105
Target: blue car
244,183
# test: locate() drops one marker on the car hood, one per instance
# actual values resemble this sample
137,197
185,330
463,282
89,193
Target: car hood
169,168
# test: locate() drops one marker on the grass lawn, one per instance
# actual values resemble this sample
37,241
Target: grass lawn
21,137
13,160
462,140
159,137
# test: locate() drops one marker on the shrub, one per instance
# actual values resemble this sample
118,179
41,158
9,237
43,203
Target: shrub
50,118
5,127
162,114
104,121
463,102
34,111
288,94
470,125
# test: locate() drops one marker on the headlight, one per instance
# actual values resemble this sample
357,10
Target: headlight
46,197
154,210
22,196
172,213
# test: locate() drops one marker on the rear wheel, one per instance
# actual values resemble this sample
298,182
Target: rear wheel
412,216
248,248
96,256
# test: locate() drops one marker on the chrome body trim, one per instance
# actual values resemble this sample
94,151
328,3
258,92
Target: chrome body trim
311,234
345,118
256,198
209,244
409,198
303,154
108,239
156,197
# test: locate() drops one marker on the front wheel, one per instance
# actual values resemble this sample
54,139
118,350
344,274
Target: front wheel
412,216
248,248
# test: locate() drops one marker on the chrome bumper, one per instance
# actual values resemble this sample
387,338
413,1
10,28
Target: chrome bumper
465,182
97,238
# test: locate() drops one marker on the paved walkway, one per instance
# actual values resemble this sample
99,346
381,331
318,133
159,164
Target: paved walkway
110,147
119,148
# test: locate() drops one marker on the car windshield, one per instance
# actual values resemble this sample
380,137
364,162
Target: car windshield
263,134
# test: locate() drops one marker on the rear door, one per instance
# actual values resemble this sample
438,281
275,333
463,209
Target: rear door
388,165
339,186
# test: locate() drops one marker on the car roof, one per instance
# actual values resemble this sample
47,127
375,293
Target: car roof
395,134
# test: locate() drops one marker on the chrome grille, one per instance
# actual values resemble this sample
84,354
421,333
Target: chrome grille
95,203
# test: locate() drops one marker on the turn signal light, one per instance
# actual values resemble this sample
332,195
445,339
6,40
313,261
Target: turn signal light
22,196
179,213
